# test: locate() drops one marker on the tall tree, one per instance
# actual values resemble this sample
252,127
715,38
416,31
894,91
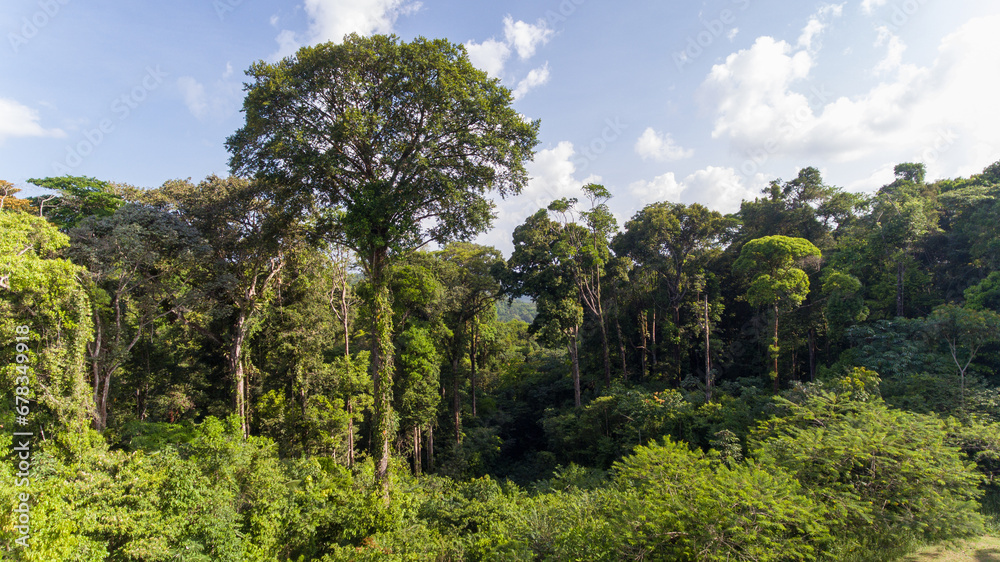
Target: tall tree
249,245
589,241
136,259
542,266
775,280
392,145
966,331
672,240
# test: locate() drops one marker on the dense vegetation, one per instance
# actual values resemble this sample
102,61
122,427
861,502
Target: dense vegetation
279,367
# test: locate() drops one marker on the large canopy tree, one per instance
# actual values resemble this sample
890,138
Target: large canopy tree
390,146
775,280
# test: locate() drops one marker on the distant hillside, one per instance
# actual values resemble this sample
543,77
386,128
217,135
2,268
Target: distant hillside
521,309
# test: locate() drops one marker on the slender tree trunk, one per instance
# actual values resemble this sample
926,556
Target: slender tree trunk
709,380
677,340
652,347
900,273
574,357
430,447
774,351
621,340
456,404
606,354
472,364
350,433
812,354
416,450
644,332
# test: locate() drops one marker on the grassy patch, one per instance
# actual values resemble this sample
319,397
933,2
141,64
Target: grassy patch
984,549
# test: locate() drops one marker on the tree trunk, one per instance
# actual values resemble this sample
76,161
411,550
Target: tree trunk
812,354
456,404
238,373
643,331
381,370
472,365
652,347
350,433
775,350
606,354
621,341
416,451
709,380
574,356
430,447
677,340
900,272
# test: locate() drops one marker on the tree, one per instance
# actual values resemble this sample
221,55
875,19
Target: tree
136,260
542,267
249,245
45,316
966,330
770,263
589,243
672,240
9,200
79,197
392,146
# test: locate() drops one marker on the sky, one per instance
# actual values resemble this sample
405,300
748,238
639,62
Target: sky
689,102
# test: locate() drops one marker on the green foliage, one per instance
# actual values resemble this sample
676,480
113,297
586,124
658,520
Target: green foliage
79,198
883,474
44,293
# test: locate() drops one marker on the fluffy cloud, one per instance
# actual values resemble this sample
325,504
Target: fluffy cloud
765,107
525,37
490,55
869,5
535,78
719,188
894,50
817,24
331,20
656,146
17,120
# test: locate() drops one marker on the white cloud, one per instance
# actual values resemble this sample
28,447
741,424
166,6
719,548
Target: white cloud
490,55
869,5
525,37
718,188
535,78
194,95
17,120
816,24
937,114
894,50
732,34
661,188
221,99
331,20
656,146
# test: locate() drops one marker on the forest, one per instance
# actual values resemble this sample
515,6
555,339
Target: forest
310,360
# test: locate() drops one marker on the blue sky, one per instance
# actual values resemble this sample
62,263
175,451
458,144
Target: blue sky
683,101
